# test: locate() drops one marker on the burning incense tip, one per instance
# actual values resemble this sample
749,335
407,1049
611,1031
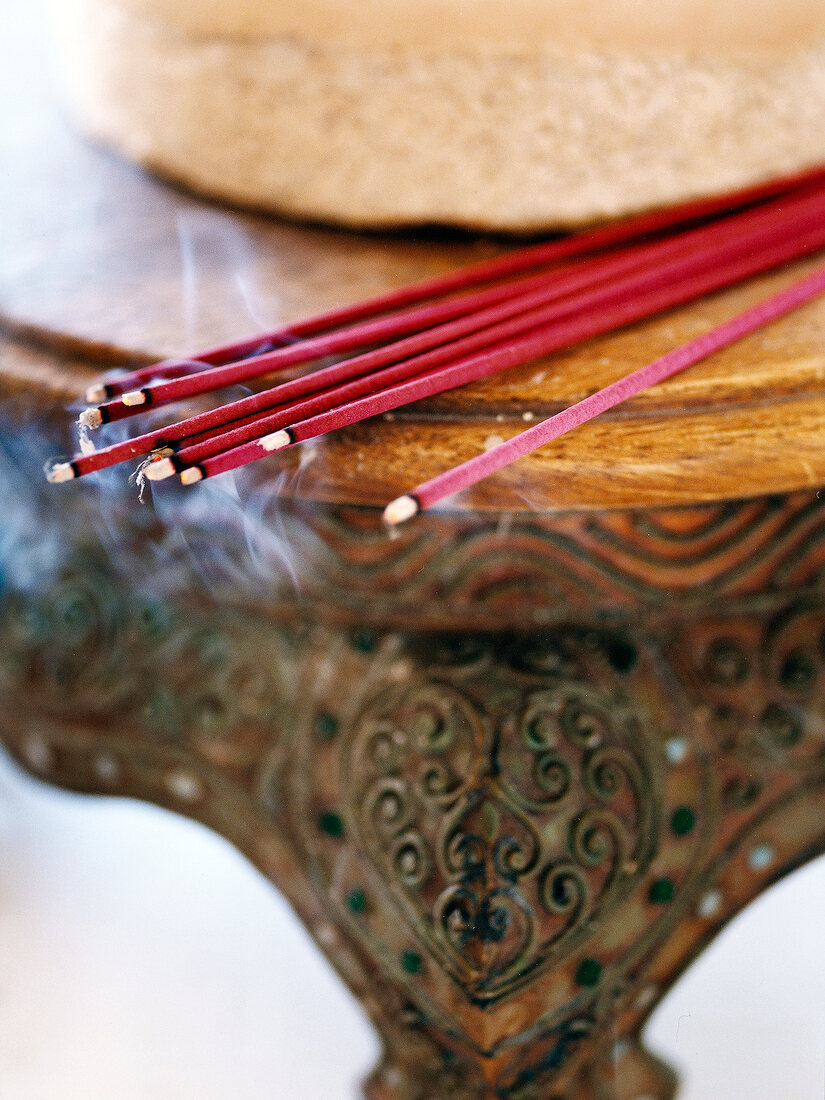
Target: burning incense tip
97,394
400,510
163,468
134,397
91,418
191,476
276,441
61,471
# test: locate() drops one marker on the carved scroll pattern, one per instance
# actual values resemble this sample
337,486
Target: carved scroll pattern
506,834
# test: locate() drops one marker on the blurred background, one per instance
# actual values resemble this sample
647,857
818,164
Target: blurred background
142,958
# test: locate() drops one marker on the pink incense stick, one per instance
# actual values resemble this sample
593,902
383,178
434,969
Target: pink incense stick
515,298
384,328
475,469
432,319
245,408
410,363
475,275
373,331
545,340
635,285
100,392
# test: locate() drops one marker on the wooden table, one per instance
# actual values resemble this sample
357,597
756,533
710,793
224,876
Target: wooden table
514,767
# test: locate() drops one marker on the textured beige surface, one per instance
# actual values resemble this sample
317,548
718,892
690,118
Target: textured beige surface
506,138
713,27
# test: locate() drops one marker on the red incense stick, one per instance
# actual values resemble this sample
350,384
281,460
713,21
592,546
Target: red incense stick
475,469
409,364
242,410
634,285
246,407
432,320
547,339
378,330
211,421
537,255
414,320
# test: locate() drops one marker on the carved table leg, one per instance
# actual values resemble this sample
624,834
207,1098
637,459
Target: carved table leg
508,843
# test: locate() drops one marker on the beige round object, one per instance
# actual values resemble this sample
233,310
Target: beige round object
516,115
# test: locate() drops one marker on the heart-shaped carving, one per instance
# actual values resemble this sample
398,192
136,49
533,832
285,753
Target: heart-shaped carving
473,817
499,835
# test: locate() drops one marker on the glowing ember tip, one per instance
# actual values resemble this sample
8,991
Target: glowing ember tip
400,510
61,471
277,441
191,476
91,418
97,394
157,471
134,397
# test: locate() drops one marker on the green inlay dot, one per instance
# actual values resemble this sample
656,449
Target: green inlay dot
153,619
364,640
661,891
589,972
622,655
63,674
75,614
326,726
332,824
412,962
682,821
357,901
799,670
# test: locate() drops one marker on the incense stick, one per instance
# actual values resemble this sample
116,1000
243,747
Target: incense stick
475,469
560,334
385,328
411,364
771,218
369,332
243,408
556,251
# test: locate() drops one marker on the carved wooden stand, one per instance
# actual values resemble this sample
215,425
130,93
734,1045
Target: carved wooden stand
512,775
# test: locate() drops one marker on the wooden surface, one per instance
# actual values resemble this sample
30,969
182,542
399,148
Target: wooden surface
100,265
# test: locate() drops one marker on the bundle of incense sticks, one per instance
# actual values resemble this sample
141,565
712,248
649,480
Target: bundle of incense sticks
423,339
